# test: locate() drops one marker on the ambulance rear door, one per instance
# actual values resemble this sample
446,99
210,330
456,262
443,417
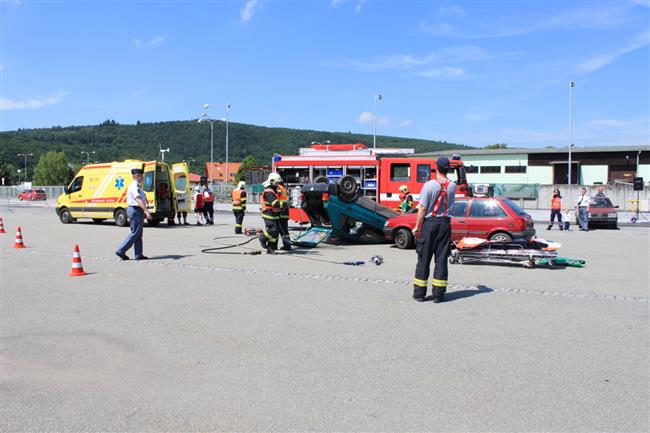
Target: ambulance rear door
149,185
181,185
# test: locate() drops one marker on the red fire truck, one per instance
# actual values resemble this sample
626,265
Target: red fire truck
379,172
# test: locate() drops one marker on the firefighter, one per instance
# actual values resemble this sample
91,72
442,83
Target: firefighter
239,205
284,216
433,221
271,210
405,198
208,204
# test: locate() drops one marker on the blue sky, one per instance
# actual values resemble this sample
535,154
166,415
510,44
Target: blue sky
468,72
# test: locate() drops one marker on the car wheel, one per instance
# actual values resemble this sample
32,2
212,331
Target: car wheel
65,216
348,187
501,237
98,220
121,219
613,226
321,179
20,197
403,238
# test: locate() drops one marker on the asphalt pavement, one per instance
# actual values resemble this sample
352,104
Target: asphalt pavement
190,341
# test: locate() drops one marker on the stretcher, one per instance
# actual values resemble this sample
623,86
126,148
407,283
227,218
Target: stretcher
526,252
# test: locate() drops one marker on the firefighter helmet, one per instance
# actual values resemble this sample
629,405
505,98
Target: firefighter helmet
404,188
274,178
241,184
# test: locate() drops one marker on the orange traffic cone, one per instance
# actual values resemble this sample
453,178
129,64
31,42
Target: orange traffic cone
2,227
19,239
77,268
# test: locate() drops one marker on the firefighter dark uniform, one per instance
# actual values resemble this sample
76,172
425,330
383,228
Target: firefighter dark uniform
284,217
238,208
434,240
271,214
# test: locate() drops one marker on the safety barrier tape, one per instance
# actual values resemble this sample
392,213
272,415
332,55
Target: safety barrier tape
329,277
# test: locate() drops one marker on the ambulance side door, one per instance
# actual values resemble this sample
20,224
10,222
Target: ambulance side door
181,186
149,186
77,196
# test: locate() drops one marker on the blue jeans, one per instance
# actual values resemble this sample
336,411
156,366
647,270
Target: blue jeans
582,217
136,218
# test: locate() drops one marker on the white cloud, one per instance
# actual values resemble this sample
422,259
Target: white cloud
444,72
151,42
7,104
407,122
605,59
451,11
246,13
359,5
365,117
383,121
335,3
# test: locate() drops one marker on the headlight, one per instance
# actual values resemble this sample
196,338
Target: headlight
611,215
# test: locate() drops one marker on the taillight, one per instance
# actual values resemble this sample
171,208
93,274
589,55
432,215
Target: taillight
326,196
302,196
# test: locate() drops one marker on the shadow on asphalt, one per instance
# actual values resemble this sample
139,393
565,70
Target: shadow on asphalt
171,257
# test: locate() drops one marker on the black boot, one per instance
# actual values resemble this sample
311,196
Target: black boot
263,240
550,226
419,293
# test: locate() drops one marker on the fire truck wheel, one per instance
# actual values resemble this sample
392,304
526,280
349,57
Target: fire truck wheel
348,187
403,238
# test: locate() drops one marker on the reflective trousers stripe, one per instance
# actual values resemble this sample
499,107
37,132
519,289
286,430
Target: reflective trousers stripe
269,237
418,282
269,217
237,225
439,283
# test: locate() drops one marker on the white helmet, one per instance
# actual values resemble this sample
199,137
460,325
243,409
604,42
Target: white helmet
241,184
274,178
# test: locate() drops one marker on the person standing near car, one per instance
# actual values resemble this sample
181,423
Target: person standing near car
284,216
136,201
556,210
582,209
271,210
405,199
434,223
239,205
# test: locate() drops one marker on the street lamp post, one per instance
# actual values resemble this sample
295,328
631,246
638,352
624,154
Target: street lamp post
571,86
204,118
227,111
88,155
378,97
25,155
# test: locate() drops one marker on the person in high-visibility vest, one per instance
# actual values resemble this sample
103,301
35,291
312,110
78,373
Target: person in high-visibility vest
405,198
433,219
239,205
271,210
284,216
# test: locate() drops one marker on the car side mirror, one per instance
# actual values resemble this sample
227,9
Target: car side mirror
66,190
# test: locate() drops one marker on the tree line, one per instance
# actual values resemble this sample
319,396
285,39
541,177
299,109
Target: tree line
187,140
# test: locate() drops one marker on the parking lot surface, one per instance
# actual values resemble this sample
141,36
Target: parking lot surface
189,341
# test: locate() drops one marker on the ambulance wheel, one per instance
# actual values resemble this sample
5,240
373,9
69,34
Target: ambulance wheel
348,187
153,222
99,220
120,218
403,239
65,216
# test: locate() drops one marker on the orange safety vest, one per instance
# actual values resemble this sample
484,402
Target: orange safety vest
270,208
236,198
284,198
556,203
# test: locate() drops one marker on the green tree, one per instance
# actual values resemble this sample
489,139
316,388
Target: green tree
53,169
248,162
8,173
497,146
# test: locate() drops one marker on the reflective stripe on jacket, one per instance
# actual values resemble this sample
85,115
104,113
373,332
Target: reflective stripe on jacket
271,206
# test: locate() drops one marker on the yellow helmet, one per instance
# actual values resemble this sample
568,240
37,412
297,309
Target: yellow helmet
404,188
274,178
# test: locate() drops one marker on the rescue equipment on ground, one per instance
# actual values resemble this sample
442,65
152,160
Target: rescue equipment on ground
529,253
312,237
19,239
2,227
77,268
377,260
219,250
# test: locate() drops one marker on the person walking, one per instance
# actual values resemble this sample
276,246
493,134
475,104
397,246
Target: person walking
208,204
582,208
405,199
137,211
271,214
556,211
433,222
198,206
239,205
601,191
284,216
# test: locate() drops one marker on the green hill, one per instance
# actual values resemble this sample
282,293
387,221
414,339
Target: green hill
187,140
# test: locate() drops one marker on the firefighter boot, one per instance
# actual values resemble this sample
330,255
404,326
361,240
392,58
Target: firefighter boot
286,243
263,240
419,293
550,226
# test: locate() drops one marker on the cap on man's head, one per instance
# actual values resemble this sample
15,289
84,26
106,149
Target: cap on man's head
137,170
443,162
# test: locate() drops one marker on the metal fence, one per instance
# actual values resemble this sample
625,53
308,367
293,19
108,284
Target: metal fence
12,191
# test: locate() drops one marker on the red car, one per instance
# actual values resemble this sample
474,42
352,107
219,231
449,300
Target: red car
481,217
32,194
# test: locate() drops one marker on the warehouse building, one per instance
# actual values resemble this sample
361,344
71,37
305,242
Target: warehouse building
549,166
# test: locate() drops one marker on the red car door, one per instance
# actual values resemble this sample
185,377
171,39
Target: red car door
459,225
484,216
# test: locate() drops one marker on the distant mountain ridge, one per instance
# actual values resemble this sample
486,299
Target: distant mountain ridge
187,140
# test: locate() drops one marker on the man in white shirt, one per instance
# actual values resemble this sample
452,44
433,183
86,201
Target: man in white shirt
582,208
136,201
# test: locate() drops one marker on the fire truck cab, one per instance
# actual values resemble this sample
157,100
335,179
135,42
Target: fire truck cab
379,172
